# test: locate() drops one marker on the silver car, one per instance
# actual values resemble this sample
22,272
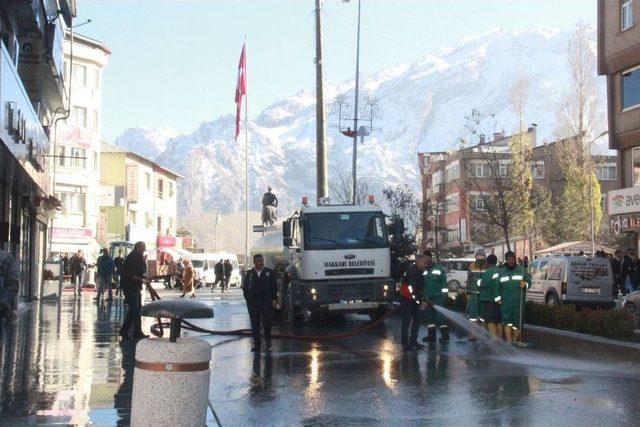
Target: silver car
631,303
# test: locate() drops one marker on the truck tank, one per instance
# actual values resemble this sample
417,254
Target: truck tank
270,246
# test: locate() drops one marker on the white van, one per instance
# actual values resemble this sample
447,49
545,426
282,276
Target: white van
457,270
572,280
205,263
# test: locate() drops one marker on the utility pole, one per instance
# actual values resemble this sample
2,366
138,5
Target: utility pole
355,113
321,154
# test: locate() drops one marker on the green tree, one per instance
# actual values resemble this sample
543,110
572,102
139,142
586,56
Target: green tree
573,217
404,207
544,230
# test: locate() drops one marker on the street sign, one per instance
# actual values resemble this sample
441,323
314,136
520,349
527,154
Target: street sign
624,201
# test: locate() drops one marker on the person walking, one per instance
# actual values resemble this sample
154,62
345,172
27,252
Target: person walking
412,304
227,270
514,281
436,291
106,271
9,286
188,279
118,261
218,271
65,264
132,279
475,271
77,267
616,267
490,297
260,292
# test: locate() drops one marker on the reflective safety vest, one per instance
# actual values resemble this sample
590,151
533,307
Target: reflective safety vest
475,274
509,280
490,285
435,282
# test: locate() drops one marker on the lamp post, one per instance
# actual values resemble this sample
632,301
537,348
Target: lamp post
593,233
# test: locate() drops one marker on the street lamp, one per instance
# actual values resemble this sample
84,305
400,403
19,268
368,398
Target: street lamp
593,233
355,110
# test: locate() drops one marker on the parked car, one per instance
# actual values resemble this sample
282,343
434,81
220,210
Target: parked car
572,280
457,270
631,303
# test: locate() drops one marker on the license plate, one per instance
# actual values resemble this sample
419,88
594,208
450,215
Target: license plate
591,291
350,301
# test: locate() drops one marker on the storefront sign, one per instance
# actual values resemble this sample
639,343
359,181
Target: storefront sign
71,233
102,227
624,223
166,241
107,196
626,200
132,182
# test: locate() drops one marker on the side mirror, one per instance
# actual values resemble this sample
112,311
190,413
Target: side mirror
286,229
287,242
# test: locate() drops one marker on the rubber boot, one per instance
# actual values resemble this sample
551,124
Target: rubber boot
444,334
431,334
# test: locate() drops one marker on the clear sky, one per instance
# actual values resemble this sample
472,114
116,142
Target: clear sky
174,62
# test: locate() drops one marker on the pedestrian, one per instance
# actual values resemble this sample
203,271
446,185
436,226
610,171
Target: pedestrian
514,280
628,271
260,292
490,297
475,271
227,270
412,304
118,261
218,272
188,279
132,278
77,267
436,291
9,286
525,262
65,264
106,270
616,267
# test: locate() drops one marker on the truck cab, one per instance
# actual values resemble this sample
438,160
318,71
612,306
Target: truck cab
335,258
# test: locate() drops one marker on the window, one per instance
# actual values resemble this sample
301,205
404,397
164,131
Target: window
159,229
95,160
630,89
537,169
345,230
160,190
626,15
480,170
503,169
80,75
78,158
147,180
60,155
133,217
452,203
603,203
147,220
452,235
477,202
72,200
556,268
606,172
79,116
94,78
93,120
170,224
452,171
170,189
539,270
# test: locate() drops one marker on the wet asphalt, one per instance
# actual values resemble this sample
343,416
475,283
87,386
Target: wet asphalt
65,365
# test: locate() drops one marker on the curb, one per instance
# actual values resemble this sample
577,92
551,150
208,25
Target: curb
575,341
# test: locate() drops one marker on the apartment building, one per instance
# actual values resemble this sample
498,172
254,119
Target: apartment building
33,90
619,61
138,199
454,183
76,171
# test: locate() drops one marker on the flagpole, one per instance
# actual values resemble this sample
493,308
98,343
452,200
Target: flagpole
246,165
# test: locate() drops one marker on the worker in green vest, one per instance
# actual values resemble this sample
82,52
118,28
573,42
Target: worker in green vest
514,281
436,291
475,271
490,297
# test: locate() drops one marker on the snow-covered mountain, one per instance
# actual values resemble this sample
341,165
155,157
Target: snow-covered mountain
423,105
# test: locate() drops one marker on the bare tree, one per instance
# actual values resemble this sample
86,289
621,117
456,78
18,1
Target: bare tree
341,188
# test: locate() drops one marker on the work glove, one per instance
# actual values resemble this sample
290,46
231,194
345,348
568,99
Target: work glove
523,285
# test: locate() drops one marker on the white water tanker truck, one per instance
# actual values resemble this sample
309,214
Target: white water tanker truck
330,258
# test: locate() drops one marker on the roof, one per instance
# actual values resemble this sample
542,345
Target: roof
108,148
79,38
565,247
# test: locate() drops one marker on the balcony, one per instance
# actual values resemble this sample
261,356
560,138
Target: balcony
20,129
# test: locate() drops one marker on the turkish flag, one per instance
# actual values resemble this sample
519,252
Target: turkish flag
241,86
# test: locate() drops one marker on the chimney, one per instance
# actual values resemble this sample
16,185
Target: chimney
532,130
482,138
498,136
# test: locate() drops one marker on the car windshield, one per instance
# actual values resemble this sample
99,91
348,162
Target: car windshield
197,263
342,230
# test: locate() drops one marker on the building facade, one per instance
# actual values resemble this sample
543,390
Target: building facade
455,183
619,61
76,170
33,92
138,199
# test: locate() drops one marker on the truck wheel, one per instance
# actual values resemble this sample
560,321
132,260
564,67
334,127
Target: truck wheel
377,313
453,285
292,314
552,299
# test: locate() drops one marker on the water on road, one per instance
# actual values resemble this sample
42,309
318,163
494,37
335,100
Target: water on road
65,365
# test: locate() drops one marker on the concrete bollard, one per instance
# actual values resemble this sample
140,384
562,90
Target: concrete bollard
171,377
